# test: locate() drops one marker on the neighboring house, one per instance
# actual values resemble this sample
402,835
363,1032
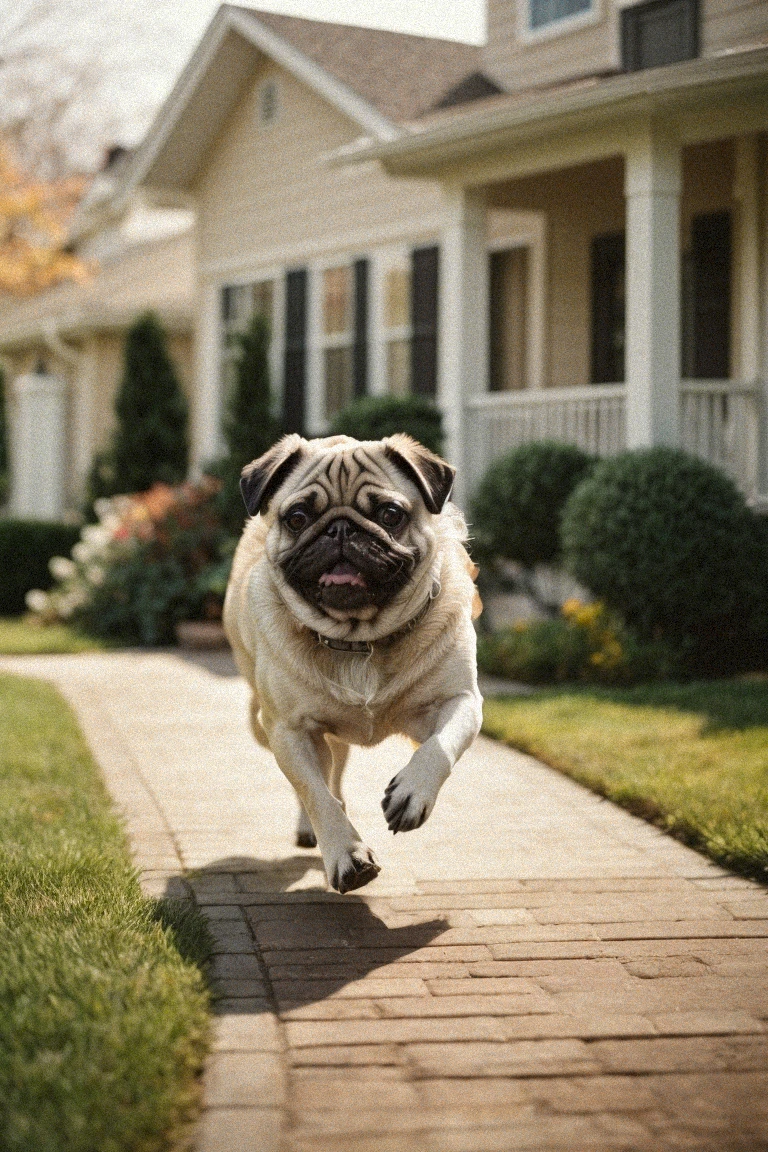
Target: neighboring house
62,350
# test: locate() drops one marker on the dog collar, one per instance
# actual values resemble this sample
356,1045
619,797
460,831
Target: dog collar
367,646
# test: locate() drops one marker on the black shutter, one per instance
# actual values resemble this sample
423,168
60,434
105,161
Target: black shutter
661,32
424,302
360,346
711,259
608,309
295,366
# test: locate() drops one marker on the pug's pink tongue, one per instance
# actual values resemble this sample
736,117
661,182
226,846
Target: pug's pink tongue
343,574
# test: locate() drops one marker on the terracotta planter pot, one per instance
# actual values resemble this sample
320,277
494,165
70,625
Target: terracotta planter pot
201,635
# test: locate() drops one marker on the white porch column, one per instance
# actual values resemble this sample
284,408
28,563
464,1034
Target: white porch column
462,365
38,415
86,382
207,439
652,188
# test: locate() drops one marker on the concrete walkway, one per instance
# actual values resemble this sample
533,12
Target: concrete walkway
533,969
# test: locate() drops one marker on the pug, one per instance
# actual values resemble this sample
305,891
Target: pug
349,610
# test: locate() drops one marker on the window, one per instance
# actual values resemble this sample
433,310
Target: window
542,13
662,32
397,329
268,103
706,298
337,338
608,308
508,290
239,304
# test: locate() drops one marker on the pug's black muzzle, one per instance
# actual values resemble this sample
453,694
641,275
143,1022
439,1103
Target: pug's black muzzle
342,565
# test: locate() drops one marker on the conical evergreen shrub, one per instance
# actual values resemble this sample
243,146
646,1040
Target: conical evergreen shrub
3,443
249,425
151,441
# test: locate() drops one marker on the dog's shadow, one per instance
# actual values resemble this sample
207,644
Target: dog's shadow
310,945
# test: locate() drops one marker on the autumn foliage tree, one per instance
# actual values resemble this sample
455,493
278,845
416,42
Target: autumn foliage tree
33,223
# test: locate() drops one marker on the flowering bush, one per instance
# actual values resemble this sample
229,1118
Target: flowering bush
587,643
152,559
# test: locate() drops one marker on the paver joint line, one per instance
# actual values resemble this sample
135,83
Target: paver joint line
539,970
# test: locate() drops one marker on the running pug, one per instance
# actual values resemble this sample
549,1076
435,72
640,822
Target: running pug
349,611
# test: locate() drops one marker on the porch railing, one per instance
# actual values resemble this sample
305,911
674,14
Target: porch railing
592,418
720,421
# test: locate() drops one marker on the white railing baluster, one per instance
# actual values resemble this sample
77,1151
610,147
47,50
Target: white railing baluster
719,421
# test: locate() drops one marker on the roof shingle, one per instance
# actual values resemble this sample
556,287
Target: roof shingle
402,76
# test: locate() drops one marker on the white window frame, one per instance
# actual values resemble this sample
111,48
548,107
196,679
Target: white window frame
277,343
507,229
562,27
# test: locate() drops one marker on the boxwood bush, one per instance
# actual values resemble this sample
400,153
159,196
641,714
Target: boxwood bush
668,542
374,417
517,507
26,546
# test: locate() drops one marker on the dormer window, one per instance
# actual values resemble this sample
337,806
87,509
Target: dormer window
268,103
557,14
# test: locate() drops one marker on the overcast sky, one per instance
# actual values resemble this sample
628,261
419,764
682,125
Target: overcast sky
140,46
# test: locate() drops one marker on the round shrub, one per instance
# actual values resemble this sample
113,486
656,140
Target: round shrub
667,541
374,417
517,507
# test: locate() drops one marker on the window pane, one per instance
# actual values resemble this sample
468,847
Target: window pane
397,298
543,12
399,367
338,379
337,300
263,294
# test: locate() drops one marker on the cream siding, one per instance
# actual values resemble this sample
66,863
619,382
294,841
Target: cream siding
517,61
268,196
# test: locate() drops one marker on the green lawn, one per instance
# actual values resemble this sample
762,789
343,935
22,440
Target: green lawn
22,637
692,758
103,1023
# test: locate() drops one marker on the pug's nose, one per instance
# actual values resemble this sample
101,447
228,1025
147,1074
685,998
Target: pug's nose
340,530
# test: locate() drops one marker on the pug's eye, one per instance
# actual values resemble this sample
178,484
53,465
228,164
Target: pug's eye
390,516
296,519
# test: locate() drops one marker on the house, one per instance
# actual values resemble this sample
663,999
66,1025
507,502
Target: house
62,350
559,234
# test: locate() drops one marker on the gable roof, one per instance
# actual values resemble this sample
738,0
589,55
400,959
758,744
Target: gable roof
402,76
378,79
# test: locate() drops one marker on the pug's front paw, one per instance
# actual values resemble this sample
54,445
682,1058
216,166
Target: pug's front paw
410,796
354,869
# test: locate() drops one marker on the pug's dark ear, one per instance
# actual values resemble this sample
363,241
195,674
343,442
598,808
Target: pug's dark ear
431,475
260,479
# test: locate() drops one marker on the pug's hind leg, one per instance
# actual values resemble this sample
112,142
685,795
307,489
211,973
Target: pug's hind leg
447,733
305,835
306,761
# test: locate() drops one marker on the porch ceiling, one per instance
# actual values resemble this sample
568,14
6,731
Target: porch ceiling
584,115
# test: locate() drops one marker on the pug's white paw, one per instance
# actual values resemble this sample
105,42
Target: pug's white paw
410,796
354,869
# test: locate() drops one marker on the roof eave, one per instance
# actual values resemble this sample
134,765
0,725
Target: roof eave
423,150
229,19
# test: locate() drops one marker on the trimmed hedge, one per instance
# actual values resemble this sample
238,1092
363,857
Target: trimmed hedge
374,417
517,508
26,546
667,541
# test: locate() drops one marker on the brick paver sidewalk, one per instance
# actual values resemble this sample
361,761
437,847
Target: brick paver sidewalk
533,969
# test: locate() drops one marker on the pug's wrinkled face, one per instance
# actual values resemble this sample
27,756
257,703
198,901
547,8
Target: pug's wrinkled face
350,523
